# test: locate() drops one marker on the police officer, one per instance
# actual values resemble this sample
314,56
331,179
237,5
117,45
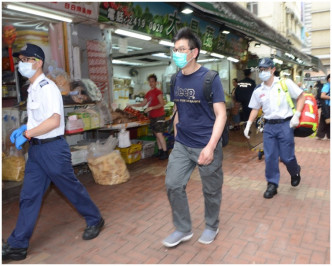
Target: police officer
243,93
49,157
278,136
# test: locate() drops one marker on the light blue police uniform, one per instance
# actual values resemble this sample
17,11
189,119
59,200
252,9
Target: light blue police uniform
49,161
278,137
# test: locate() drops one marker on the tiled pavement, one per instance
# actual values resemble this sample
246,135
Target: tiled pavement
293,227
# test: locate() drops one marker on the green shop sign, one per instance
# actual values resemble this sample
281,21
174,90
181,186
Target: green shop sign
163,21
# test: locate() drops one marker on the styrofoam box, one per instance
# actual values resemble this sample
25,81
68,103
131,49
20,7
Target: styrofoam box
148,149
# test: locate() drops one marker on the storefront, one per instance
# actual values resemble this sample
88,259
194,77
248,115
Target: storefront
116,45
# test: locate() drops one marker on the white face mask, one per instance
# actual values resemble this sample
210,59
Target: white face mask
26,69
264,75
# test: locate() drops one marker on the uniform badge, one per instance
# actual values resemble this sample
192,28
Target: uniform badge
43,83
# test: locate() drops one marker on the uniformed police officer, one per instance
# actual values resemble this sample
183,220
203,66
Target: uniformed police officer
278,136
49,157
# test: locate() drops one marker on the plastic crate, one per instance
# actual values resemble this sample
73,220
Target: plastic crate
131,154
148,149
142,131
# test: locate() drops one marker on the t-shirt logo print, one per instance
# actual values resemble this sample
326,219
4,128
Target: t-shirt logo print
186,93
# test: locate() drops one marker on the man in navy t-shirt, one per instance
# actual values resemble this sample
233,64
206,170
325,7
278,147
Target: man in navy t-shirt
198,131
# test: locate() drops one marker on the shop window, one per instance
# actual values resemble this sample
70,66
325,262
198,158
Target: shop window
253,7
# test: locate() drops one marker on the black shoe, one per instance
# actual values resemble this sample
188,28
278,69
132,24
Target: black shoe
93,231
296,179
163,155
270,191
9,253
158,153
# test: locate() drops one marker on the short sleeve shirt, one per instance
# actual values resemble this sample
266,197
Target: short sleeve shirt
326,89
273,99
44,100
196,119
152,98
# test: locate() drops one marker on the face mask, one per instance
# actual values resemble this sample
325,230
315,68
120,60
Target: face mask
265,75
26,69
180,59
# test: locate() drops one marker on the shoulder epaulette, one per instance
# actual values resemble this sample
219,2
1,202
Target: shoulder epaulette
43,83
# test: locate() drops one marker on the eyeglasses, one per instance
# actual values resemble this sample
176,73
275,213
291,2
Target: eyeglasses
181,50
27,59
261,69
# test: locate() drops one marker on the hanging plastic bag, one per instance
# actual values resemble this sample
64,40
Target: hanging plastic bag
124,140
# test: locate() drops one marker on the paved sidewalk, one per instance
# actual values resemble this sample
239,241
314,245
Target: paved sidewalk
293,227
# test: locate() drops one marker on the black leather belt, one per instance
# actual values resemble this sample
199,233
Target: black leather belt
277,121
35,141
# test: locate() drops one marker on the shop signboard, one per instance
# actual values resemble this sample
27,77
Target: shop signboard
83,9
163,21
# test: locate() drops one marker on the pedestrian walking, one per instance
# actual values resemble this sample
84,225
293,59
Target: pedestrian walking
49,157
243,93
198,131
324,121
278,136
154,99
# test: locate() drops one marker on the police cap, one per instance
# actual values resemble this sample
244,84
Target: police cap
31,50
266,62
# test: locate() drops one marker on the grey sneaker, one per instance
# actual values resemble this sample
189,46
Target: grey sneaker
176,238
208,236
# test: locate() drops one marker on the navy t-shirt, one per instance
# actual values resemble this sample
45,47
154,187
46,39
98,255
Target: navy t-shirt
196,119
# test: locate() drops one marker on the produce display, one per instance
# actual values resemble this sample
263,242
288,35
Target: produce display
128,115
138,114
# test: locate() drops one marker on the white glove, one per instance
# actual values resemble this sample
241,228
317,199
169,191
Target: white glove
246,130
295,121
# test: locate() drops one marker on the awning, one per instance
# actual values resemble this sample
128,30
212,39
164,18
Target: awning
236,17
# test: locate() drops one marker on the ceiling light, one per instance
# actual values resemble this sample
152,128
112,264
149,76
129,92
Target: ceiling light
187,11
120,62
207,60
233,59
257,44
131,48
162,55
225,32
203,52
39,13
167,43
133,34
217,55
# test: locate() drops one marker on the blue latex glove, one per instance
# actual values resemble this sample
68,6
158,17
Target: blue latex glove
17,132
20,140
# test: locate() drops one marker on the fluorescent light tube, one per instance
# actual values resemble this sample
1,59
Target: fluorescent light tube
38,13
133,34
167,43
225,32
217,55
187,11
232,59
125,63
207,60
203,52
